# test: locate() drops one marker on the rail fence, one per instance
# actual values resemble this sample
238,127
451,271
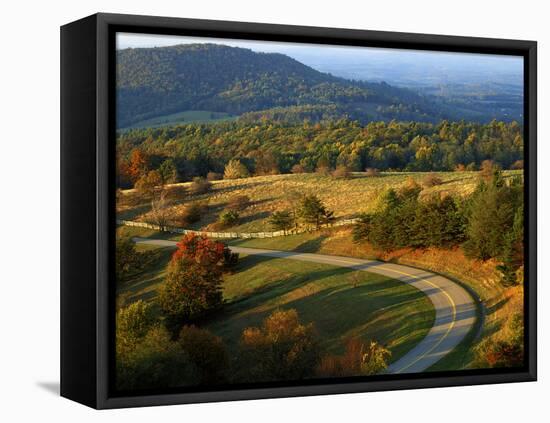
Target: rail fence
176,230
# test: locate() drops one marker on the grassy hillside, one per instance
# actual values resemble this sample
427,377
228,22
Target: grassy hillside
346,197
342,303
196,116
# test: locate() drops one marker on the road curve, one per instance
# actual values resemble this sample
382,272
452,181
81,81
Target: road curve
455,310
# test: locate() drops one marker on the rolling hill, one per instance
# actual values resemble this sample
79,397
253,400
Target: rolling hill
154,82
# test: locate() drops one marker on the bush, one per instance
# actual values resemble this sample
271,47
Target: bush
506,352
341,172
192,213
371,172
460,168
323,170
282,349
228,218
207,352
518,164
238,203
298,168
199,186
214,176
235,169
432,180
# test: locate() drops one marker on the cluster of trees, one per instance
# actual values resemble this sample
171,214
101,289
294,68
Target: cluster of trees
487,224
282,348
242,149
306,209
172,351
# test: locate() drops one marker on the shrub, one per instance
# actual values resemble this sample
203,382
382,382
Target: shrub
282,349
460,168
341,172
371,172
358,359
235,169
213,176
192,213
228,218
505,352
298,168
199,186
323,170
518,164
207,352
432,180
238,203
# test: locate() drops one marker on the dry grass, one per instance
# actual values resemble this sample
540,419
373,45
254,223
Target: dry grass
346,197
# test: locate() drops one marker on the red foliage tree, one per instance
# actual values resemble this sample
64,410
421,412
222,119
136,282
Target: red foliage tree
139,164
202,250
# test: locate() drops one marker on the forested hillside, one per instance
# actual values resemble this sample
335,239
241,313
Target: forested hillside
272,147
154,82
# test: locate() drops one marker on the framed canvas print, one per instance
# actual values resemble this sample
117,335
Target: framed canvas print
255,211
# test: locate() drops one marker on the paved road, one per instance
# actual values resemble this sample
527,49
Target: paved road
455,311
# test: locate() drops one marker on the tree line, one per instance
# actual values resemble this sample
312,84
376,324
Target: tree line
183,152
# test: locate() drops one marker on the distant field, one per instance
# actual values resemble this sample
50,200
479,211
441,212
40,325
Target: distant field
196,116
347,198
341,302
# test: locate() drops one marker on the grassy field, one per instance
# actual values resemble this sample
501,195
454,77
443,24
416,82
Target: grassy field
188,116
346,197
341,302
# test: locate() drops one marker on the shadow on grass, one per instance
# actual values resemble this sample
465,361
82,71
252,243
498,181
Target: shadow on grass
312,245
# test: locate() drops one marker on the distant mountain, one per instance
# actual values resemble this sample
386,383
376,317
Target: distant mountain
153,82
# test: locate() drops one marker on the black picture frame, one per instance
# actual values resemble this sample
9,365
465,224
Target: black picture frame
87,205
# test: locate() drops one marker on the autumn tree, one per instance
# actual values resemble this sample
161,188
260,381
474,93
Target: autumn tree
138,164
281,349
235,169
147,184
159,209
192,286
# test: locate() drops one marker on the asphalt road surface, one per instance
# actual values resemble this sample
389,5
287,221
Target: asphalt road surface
455,310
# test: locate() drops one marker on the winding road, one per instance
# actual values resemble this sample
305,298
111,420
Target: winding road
455,309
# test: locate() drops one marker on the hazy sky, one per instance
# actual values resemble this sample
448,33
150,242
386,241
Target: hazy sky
391,65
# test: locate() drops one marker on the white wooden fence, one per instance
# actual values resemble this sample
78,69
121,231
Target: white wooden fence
176,230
